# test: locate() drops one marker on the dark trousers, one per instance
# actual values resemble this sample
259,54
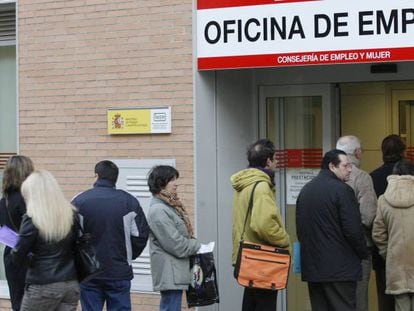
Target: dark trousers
16,276
171,300
385,302
259,300
332,296
96,292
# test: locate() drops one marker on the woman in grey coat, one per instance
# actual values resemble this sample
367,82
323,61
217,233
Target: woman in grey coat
171,238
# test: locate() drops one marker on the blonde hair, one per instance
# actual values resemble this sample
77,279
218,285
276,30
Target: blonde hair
51,213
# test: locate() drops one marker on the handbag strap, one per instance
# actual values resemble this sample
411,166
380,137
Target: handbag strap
77,222
10,218
249,210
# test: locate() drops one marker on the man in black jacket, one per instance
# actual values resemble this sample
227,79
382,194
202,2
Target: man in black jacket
120,232
329,229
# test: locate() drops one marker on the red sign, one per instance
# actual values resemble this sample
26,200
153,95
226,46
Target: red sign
410,153
307,158
213,4
302,59
274,33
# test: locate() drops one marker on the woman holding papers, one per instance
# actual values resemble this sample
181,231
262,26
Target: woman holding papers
172,239
12,209
47,234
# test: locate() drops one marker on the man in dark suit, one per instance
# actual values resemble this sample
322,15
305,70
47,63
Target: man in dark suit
332,241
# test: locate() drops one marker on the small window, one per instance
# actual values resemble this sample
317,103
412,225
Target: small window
8,103
7,24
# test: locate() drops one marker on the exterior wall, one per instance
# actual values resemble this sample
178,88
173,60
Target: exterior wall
226,120
5,305
78,58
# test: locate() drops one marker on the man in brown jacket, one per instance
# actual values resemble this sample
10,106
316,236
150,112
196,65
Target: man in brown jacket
362,184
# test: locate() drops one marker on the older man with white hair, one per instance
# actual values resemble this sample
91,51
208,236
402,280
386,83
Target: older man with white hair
363,186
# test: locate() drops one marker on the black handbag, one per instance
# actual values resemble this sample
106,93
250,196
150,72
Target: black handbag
86,262
203,289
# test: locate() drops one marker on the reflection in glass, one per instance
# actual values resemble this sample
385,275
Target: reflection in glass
294,123
406,114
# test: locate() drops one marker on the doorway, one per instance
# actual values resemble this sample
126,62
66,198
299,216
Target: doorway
304,121
374,110
300,121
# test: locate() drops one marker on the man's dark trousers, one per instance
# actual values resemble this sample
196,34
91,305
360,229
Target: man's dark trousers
332,296
116,293
259,299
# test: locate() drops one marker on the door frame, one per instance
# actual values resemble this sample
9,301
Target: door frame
396,96
330,132
330,118
330,106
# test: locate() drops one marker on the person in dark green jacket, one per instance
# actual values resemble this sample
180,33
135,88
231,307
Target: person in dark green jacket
265,225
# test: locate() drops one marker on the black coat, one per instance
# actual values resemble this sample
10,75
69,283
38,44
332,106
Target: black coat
15,275
117,223
379,177
16,207
49,262
329,229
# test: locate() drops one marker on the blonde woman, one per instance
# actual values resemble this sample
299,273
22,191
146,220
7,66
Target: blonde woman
47,235
12,209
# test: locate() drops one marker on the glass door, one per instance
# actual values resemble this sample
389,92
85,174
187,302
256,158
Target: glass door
300,121
403,123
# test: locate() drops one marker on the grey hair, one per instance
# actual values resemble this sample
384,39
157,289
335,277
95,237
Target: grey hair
348,144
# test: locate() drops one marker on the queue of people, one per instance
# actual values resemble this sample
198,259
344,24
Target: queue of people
386,225
347,221
337,216
40,268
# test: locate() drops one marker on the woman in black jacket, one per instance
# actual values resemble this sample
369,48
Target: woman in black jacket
12,209
47,235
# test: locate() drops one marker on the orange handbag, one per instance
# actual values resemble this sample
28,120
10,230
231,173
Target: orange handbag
261,266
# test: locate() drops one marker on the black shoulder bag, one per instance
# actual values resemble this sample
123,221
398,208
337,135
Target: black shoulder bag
86,262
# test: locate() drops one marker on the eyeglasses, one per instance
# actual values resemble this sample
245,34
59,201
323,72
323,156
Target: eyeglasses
346,165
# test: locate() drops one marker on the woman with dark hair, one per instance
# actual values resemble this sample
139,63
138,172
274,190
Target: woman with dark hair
12,209
393,233
171,238
393,150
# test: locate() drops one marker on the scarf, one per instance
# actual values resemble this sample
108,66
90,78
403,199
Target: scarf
268,172
174,201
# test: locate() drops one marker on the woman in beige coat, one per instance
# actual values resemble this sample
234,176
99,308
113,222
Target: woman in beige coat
393,233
